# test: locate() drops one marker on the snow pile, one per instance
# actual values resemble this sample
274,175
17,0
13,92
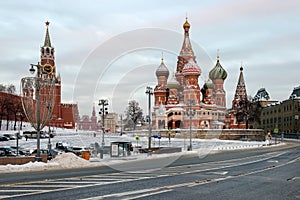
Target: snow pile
69,160
31,166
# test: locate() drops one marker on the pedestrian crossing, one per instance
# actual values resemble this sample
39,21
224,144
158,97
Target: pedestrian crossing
27,189
48,186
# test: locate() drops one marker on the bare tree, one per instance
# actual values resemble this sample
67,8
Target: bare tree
8,111
2,88
134,113
11,89
16,109
2,108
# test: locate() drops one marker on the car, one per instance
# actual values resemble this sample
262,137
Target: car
3,138
10,136
51,153
22,151
76,150
62,145
7,152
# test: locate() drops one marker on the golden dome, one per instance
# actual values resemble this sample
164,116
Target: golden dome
186,24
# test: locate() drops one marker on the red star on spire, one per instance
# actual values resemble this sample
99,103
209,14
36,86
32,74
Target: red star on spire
47,23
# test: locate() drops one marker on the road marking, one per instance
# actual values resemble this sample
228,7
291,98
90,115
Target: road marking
79,182
218,173
148,194
44,186
272,161
293,178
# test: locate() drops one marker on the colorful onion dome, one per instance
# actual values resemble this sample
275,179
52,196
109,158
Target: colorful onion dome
162,70
218,72
191,68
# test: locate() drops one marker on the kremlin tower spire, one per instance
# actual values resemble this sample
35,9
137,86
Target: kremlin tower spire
47,53
47,42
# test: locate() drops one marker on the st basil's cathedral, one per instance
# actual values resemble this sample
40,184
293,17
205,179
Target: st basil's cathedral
180,97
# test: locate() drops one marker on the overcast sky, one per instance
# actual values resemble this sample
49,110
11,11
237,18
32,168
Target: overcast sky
111,49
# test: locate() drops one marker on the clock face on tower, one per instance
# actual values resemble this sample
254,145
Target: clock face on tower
48,69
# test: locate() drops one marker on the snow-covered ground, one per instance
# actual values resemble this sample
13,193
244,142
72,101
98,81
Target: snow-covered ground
86,138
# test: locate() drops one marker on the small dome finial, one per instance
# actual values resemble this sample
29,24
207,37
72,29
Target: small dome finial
241,68
218,54
162,57
47,23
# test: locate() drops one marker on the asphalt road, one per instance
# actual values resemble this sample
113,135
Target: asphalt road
265,173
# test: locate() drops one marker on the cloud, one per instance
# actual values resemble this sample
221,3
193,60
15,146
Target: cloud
264,35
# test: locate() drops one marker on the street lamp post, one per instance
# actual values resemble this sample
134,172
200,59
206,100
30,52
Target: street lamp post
190,112
103,103
18,134
38,112
121,119
149,92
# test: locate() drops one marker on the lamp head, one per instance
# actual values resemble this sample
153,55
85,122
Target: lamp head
32,70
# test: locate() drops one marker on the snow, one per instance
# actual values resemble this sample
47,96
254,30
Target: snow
69,160
86,138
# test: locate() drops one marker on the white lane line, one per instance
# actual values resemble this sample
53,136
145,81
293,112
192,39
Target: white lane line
12,191
272,161
46,186
120,194
242,175
106,178
218,173
76,182
148,194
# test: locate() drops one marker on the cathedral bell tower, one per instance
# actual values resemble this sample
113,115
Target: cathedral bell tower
185,55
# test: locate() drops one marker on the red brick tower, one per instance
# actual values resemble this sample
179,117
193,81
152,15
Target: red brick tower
48,63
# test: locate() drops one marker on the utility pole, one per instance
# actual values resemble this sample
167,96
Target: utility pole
103,103
149,92
121,119
190,112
